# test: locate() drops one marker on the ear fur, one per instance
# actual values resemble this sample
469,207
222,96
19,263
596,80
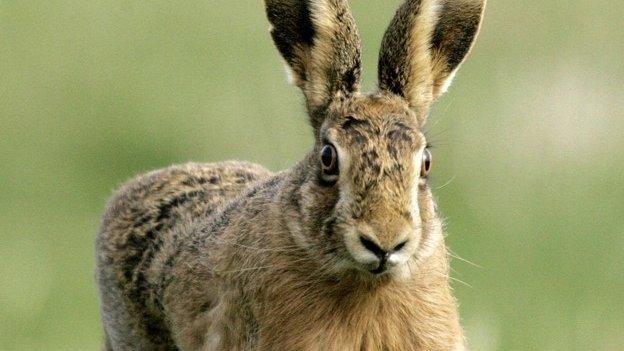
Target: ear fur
453,38
424,45
318,40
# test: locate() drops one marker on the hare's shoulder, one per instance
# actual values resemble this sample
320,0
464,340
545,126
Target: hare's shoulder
188,189
141,213
155,201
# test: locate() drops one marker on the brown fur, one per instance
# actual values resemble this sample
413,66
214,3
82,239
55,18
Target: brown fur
424,46
230,256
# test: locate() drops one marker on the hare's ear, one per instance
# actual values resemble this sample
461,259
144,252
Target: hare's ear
426,42
318,40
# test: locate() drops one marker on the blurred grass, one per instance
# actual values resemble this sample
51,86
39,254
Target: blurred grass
527,144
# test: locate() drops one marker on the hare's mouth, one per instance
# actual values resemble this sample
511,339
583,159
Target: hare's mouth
375,270
382,267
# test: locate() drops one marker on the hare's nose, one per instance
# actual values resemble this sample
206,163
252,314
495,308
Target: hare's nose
382,254
373,247
377,250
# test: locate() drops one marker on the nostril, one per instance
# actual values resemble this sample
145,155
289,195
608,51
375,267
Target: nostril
372,247
398,247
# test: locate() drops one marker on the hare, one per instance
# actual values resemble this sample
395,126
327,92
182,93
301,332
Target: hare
344,251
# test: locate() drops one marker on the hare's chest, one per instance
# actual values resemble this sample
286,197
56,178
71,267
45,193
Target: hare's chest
315,328
379,324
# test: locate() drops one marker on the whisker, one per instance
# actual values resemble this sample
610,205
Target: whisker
442,115
276,249
245,269
258,268
447,276
453,254
461,281
447,183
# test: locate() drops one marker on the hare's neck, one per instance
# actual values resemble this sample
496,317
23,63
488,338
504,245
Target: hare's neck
318,314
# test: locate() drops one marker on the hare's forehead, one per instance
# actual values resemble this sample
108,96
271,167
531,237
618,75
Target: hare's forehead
375,130
373,106
378,143
374,117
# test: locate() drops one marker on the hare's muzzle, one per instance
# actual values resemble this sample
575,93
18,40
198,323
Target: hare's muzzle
376,257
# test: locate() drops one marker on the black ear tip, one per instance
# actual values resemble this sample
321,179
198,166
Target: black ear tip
457,29
450,28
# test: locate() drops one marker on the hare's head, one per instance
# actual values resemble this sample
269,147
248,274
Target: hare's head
364,203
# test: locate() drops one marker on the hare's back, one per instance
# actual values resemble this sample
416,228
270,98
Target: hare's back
137,223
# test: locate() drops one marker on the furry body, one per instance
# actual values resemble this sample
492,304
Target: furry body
344,251
202,282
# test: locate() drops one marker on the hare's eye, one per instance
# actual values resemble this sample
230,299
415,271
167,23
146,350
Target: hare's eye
425,165
329,160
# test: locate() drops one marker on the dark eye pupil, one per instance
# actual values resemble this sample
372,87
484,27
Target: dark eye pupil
326,156
426,163
329,160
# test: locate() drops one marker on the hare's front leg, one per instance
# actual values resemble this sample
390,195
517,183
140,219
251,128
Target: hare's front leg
205,314
220,329
233,327
122,330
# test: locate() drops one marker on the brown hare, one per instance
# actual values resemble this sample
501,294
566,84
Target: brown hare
344,251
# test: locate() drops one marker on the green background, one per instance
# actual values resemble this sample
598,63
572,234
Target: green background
527,144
